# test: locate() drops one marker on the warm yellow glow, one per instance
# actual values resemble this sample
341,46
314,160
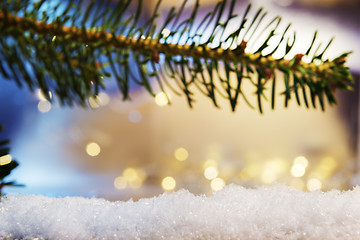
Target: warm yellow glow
44,106
120,183
136,183
130,174
252,170
181,154
210,163
141,174
268,176
325,168
298,170
272,169
41,95
307,59
168,183
93,149
161,99
5,159
313,184
217,184
104,98
53,39
130,177
297,183
211,172
317,62
166,32
94,102
329,163
301,160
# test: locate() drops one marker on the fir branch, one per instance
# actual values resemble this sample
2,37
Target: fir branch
73,52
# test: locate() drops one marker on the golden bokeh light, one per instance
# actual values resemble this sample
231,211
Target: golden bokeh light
181,154
327,165
217,184
313,184
298,170
130,174
141,174
210,163
136,183
267,176
168,183
93,149
120,183
301,160
41,95
5,159
161,99
44,106
211,173
94,102
272,170
131,177
104,98
165,32
252,170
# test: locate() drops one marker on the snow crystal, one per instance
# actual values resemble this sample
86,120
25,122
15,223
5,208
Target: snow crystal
268,212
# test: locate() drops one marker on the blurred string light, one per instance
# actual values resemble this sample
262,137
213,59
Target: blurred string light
181,154
210,163
251,171
41,95
313,184
211,173
272,170
297,170
120,183
93,149
326,167
44,105
131,177
161,99
5,159
299,166
217,184
168,183
94,102
165,32
102,99
301,160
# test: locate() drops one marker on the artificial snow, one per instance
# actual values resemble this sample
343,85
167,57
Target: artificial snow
269,212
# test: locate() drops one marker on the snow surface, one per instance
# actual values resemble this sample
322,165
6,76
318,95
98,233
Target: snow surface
268,212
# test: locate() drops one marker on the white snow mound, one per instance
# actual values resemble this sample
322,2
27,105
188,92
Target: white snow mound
272,212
